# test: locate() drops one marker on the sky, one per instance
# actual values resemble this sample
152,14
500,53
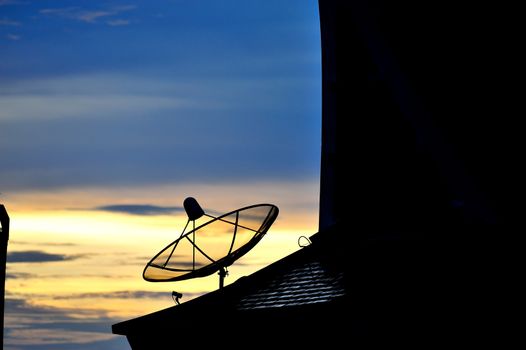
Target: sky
113,112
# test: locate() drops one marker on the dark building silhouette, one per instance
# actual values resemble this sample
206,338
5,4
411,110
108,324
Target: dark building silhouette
4,240
414,186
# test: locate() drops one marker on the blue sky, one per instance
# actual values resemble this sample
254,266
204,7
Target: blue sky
111,112
152,91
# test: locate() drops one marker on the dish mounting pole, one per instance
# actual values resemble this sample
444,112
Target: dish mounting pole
222,273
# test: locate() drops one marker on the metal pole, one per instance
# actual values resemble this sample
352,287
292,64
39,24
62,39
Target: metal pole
222,273
193,245
4,238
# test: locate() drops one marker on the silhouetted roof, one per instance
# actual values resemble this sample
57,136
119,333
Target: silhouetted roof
301,279
307,283
298,279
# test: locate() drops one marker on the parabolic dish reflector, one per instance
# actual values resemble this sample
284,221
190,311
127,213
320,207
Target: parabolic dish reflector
212,246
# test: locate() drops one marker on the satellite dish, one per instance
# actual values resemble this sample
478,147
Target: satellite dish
228,237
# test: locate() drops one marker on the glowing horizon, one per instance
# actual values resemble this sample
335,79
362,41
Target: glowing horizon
87,248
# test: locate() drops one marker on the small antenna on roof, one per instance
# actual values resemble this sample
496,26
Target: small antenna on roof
176,296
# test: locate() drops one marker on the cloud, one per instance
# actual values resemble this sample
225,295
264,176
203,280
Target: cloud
65,11
17,275
160,126
107,96
139,209
8,22
118,22
138,294
87,16
43,107
13,37
91,16
11,2
37,256
52,244
29,325
41,314
186,264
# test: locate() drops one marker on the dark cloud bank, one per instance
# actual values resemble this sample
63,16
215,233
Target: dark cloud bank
139,209
37,256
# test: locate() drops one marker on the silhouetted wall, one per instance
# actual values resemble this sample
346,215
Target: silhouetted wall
404,143
419,167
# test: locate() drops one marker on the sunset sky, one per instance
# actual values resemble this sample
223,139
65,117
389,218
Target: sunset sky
113,112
